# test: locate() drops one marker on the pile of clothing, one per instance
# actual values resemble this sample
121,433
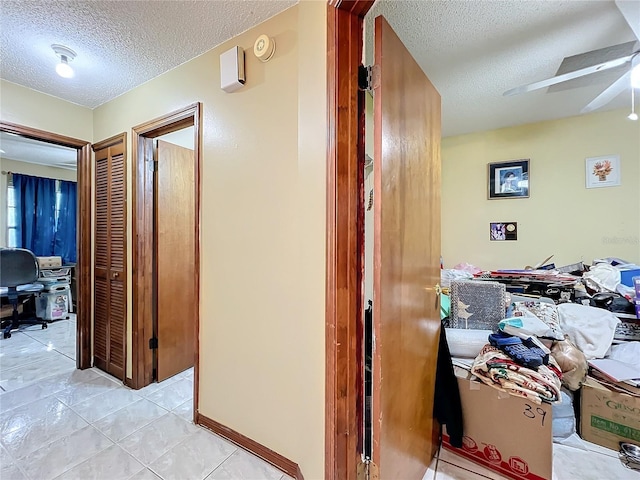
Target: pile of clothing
498,370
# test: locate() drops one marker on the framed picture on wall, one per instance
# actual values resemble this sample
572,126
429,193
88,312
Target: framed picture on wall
508,179
603,171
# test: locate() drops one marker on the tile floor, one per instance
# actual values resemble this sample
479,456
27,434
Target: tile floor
60,423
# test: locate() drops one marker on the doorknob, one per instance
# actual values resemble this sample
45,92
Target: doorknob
115,275
437,289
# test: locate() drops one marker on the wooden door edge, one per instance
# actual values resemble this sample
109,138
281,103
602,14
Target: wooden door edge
84,245
345,235
110,142
142,250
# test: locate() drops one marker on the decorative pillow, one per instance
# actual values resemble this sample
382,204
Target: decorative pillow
477,304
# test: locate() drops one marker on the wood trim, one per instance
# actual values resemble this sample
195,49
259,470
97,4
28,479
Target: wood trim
111,141
119,139
197,122
142,234
41,135
84,274
345,235
359,8
171,122
280,462
83,265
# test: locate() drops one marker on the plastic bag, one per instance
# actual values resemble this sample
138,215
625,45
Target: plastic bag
602,277
572,362
449,275
628,352
467,267
564,420
590,329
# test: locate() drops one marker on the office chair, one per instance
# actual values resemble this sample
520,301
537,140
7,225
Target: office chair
18,270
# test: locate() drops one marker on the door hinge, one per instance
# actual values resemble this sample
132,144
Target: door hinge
367,470
368,77
153,343
153,165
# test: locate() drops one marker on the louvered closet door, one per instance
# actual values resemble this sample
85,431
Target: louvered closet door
110,257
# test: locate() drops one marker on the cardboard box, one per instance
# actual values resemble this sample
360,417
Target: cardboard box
49,262
636,285
627,274
608,417
6,311
509,435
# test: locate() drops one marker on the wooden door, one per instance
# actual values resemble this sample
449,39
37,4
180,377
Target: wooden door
175,254
109,334
406,260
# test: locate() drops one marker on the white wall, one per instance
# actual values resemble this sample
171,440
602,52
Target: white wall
34,109
561,217
263,232
25,168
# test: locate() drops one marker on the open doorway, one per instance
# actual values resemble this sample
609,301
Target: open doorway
166,255
80,274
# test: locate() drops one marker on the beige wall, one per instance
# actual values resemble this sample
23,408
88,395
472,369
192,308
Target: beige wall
36,170
34,109
263,230
561,217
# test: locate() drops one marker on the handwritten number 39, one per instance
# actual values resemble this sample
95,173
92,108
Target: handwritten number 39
530,413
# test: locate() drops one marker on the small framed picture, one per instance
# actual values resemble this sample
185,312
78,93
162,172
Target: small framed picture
603,171
500,231
508,179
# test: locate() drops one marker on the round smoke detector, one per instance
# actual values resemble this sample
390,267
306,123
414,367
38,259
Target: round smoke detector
264,48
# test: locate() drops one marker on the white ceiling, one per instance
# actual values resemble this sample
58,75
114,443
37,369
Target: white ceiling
120,44
471,50
15,147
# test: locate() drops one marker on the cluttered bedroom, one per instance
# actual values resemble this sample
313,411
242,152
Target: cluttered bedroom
540,302
538,373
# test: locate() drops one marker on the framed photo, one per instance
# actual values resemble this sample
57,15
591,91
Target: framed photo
500,231
508,179
603,171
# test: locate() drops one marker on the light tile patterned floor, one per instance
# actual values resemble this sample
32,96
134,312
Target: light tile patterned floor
60,423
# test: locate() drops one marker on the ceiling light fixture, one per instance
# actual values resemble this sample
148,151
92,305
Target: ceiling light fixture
635,76
633,115
66,55
635,71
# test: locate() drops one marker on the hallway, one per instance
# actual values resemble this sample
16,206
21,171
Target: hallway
57,422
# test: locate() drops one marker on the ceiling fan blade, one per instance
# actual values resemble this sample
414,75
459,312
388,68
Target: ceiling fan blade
611,92
569,76
630,10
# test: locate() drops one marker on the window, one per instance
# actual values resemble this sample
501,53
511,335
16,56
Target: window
12,221
58,201
12,218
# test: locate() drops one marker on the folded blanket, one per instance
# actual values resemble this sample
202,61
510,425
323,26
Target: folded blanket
497,370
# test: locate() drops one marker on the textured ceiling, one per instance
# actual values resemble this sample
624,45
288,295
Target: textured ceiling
15,147
120,44
473,51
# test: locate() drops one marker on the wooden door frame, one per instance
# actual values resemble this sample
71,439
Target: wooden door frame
109,142
84,275
143,235
345,235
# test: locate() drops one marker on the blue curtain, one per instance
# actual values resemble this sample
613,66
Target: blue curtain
35,211
65,235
